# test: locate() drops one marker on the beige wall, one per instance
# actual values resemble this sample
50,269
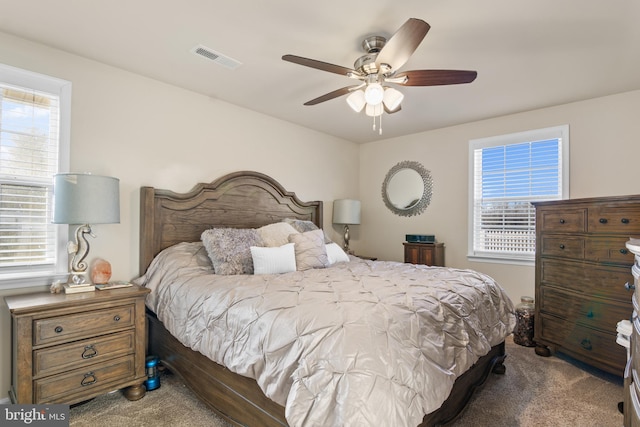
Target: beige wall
148,133
604,155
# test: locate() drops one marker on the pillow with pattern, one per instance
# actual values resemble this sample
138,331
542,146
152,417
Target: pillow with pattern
310,250
303,226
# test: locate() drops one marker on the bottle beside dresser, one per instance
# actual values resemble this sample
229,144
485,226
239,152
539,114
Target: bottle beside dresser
67,348
583,277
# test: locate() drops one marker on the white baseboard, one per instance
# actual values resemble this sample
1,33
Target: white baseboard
5,401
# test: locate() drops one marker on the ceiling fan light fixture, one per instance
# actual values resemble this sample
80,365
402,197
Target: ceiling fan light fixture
356,100
374,93
392,98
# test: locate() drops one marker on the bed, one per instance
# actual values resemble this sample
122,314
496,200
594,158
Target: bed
252,200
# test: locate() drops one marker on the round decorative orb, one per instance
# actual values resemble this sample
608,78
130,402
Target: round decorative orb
100,271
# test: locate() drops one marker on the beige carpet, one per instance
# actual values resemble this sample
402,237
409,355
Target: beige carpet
535,391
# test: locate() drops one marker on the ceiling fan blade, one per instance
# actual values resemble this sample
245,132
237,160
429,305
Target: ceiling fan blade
403,43
331,95
319,65
436,77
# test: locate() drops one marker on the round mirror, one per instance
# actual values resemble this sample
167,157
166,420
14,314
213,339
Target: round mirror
407,188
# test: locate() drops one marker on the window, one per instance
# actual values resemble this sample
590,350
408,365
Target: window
507,173
34,145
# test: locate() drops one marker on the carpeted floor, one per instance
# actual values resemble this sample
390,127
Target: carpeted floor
535,391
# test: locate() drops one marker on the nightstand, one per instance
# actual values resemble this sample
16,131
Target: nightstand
67,348
424,253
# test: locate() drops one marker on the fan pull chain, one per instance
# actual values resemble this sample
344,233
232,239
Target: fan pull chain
379,124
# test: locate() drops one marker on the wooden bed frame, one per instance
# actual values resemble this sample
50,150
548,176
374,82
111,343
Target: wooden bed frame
246,200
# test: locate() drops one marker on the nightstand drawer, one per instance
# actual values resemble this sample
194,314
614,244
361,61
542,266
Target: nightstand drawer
50,389
74,326
78,354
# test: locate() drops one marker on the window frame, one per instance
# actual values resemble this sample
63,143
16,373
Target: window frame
31,276
555,132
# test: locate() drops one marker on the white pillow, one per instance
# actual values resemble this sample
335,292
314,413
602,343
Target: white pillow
276,260
336,254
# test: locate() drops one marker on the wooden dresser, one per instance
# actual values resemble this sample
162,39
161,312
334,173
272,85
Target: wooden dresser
424,253
583,276
67,348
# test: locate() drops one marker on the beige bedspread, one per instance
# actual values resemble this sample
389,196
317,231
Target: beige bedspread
363,343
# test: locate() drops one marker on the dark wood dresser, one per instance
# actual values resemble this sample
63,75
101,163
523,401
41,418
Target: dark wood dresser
583,277
67,348
424,253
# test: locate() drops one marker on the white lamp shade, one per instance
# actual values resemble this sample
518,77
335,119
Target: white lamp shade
356,101
374,110
346,211
86,199
392,98
374,93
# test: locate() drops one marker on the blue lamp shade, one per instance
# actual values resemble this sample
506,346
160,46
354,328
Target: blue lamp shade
346,211
86,199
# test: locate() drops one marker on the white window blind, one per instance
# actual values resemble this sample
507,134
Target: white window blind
31,147
508,173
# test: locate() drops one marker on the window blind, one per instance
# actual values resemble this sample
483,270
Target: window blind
508,175
29,143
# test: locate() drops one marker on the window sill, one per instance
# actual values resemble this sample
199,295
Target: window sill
30,281
501,260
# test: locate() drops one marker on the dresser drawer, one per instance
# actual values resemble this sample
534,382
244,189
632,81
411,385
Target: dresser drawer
588,311
614,219
563,220
78,354
80,325
54,388
562,246
585,342
608,249
589,279
635,406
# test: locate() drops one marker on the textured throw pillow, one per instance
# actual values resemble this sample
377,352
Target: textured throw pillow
277,234
336,254
273,260
229,250
310,250
303,226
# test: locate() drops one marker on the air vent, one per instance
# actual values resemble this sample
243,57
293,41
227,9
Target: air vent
216,57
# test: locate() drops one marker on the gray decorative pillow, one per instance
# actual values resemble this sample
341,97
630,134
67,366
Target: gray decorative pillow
276,234
229,250
303,226
310,250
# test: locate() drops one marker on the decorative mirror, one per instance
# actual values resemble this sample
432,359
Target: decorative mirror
407,189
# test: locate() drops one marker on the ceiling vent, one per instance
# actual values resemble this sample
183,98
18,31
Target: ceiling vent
216,57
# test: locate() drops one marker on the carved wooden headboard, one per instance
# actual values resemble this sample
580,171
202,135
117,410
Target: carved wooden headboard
243,199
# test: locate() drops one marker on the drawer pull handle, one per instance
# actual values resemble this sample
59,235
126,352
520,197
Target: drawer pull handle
89,352
89,378
625,220
58,329
586,344
628,286
562,221
603,220
561,246
116,318
623,251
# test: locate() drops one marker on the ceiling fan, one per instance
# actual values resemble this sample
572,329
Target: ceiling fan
379,67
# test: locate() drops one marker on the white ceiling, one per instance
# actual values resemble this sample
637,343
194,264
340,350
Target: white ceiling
528,54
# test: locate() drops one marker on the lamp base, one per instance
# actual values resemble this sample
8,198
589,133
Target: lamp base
346,239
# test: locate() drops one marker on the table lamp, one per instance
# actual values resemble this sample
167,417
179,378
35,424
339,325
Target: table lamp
346,211
84,199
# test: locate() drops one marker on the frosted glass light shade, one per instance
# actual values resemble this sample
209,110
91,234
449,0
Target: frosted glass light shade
86,199
346,211
374,93
374,110
356,101
392,98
